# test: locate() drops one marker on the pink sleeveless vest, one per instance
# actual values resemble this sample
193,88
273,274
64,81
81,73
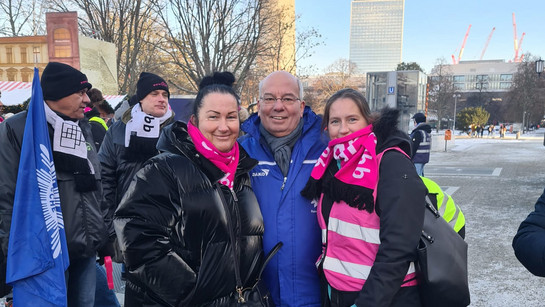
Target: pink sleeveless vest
352,239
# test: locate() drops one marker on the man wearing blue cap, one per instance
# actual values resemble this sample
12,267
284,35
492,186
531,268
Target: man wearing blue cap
421,143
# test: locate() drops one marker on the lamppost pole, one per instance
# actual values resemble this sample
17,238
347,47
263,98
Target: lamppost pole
539,70
456,96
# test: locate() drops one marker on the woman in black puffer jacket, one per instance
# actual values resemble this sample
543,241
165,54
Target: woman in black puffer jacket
189,221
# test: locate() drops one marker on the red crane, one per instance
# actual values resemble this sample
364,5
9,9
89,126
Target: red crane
454,60
520,50
515,42
486,44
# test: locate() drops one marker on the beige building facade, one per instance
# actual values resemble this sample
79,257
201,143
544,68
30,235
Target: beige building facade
62,43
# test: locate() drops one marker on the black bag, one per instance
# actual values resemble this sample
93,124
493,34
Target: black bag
442,263
258,295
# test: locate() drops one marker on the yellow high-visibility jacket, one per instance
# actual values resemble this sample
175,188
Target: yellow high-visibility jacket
445,205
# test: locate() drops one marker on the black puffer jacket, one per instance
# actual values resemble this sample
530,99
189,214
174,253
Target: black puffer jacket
83,217
120,164
175,230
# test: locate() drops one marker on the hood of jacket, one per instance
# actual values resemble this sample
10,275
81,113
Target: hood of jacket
388,134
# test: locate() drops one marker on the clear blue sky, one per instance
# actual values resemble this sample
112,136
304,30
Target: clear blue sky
433,29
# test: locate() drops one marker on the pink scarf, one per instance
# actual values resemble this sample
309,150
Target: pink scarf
225,161
357,177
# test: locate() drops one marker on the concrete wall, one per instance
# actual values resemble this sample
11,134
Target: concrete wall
98,62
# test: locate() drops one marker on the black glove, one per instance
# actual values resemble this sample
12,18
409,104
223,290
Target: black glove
106,250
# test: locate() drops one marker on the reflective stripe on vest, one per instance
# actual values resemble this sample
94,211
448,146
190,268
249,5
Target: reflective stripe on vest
445,205
354,231
354,270
422,154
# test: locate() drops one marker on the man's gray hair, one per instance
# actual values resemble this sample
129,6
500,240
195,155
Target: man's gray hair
299,83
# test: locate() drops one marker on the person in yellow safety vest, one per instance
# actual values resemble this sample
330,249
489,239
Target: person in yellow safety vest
446,207
100,121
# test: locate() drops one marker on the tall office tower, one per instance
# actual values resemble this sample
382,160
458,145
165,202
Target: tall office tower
376,34
281,37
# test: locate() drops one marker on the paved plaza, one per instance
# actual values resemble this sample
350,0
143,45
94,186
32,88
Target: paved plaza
496,182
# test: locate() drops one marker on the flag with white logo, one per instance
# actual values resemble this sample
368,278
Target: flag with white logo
37,251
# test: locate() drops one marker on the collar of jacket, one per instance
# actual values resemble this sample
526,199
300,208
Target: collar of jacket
175,139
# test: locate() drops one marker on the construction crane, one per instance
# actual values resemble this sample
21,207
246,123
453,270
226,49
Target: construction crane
520,50
487,41
515,42
454,60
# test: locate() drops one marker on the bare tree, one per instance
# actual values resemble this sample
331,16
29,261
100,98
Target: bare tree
280,47
21,17
340,74
441,91
208,36
526,98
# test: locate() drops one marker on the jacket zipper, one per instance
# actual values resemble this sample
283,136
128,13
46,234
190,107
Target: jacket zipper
283,183
234,241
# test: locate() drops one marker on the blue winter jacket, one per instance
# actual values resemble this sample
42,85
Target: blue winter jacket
288,217
529,242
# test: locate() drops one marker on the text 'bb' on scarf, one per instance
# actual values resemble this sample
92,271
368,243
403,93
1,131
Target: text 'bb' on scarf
355,181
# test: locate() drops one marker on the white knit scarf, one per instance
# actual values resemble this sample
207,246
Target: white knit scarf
67,136
144,125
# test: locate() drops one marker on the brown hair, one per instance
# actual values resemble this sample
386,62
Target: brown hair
355,96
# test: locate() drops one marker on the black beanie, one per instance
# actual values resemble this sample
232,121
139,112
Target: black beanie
60,80
148,82
419,118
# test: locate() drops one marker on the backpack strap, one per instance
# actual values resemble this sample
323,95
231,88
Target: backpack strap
379,158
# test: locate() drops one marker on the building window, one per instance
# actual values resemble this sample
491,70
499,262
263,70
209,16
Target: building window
506,77
23,55
26,74
25,77
63,51
36,52
12,74
9,55
505,85
459,78
460,86
482,78
61,34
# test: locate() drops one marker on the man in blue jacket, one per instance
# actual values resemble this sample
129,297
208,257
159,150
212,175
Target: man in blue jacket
529,242
285,137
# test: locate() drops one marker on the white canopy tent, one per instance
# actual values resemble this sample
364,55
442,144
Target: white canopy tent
15,92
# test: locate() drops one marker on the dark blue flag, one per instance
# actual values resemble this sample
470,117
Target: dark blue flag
37,252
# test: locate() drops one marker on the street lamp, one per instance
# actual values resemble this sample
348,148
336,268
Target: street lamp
539,67
456,96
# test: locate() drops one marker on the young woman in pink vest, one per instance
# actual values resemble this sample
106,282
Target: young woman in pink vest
371,215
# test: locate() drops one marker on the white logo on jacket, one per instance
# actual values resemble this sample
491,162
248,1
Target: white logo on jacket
263,173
